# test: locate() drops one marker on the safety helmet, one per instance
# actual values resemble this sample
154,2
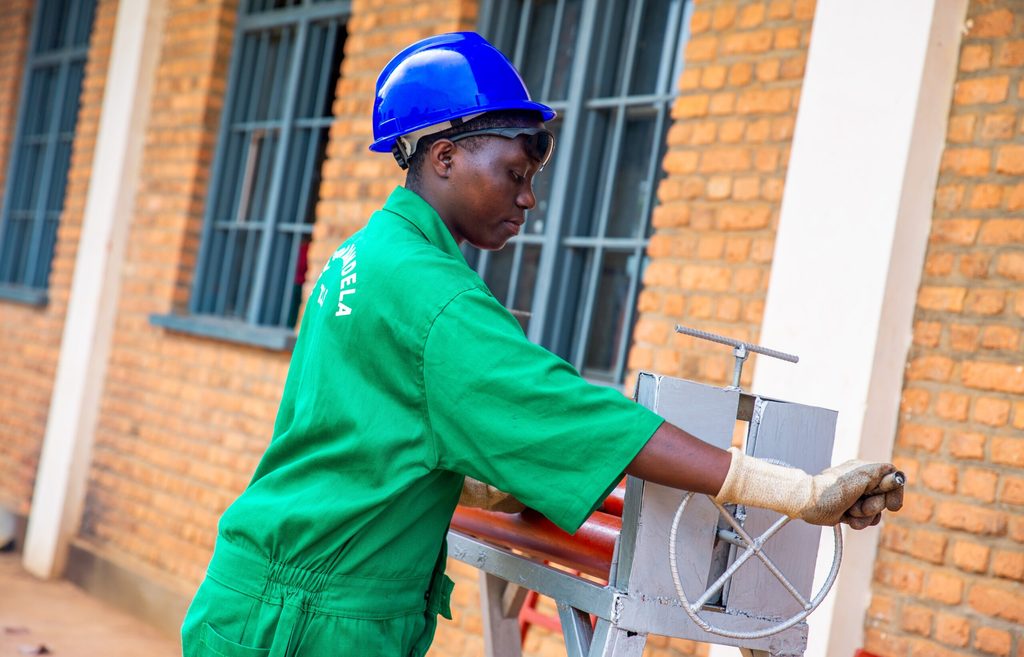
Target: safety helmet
441,82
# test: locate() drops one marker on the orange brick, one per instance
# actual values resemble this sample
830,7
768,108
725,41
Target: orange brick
1008,564
975,57
1008,451
751,16
914,401
917,620
997,602
940,477
952,630
969,518
945,299
993,641
975,264
1000,338
952,406
700,21
982,90
740,74
1010,54
944,587
928,546
998,23
918,436
963,337
724,17
961,128
971,557
756,41
979,484
955,231
1000,377
1013,491
967,445
991,411
1002,231
931,368
1010,159
881,608
985,301
900,576
923,648
998,127
969,162
701,49
939,264
986,197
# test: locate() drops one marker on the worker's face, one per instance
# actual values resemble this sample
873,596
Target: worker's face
493,185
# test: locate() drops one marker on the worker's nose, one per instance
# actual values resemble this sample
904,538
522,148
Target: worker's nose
526,198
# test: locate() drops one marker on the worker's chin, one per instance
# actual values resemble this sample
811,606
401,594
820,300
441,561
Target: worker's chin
495,244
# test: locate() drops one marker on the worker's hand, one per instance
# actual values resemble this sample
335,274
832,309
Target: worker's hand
482,496
855,492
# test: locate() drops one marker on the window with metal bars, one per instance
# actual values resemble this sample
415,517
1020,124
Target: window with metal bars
262,201
610,70
38,169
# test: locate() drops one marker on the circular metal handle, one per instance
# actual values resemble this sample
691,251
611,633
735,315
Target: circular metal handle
754,548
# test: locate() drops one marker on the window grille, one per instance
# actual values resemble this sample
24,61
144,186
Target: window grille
262,201
38,168
610,70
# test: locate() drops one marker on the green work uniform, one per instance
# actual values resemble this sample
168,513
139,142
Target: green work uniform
407,375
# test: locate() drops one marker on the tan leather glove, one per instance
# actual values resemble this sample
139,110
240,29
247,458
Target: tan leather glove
853,492
482,496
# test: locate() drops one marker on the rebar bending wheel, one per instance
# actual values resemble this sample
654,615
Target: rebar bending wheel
754,548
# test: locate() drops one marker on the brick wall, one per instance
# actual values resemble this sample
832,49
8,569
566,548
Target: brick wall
727,154
20,433
29,336
182,420
948,575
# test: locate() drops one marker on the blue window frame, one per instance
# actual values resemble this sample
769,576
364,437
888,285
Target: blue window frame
37,174
262,201
609,68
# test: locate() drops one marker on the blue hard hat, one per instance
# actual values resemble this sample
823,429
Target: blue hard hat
441,81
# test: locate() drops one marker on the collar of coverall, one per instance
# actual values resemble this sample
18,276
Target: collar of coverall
410,206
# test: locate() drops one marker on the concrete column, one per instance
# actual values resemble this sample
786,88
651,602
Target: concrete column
89,325
853,231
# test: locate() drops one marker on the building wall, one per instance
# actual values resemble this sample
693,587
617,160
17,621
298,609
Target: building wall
30,336
184,419
711,251
948,575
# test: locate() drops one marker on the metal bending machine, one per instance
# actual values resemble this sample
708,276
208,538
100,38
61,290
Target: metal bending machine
656,560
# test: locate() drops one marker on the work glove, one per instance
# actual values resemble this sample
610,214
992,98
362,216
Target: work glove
482,496
855,492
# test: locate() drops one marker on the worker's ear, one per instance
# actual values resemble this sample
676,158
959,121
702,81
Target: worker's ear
439,157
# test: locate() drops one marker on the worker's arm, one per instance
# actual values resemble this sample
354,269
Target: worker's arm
854,492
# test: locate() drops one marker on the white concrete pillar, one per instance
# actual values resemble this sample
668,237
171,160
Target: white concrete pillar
88,327
853,231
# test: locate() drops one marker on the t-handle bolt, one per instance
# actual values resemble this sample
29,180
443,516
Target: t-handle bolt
740,350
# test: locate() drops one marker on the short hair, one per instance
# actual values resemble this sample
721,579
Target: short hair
499,119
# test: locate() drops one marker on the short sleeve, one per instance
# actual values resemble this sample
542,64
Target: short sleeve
512,414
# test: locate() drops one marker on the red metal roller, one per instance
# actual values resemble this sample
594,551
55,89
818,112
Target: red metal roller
615,501
589,550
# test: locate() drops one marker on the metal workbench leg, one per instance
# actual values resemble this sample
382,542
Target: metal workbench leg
500,603
612,641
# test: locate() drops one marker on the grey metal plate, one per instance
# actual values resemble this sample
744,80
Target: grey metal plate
800,436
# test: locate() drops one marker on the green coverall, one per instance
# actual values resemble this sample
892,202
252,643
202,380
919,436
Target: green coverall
407,375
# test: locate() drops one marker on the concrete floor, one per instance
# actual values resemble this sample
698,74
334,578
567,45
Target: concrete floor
67,621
